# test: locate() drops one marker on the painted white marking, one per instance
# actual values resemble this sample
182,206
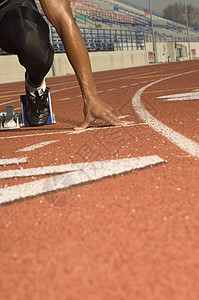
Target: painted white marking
181,97
62,82
126,77
103,128
98,82
36,146
123,117
79,174
177,95
13,161
109,90
65,89
63,168
12,91
69,132
123,86
8,102
64,99
176,138
166,90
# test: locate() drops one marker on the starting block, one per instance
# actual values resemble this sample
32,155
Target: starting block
11,120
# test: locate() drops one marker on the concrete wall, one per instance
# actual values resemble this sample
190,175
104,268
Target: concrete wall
12,71
166,51
10,68
193,46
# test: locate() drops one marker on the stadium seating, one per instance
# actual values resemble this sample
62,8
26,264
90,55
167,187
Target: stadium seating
112,25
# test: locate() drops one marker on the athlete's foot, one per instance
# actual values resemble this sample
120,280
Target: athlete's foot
37,108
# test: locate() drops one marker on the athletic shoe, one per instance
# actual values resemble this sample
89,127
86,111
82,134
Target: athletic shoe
37,108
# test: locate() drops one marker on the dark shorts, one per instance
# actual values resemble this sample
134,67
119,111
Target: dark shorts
23,31
11,4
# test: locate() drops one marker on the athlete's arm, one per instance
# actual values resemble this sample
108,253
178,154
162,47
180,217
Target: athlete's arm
60,15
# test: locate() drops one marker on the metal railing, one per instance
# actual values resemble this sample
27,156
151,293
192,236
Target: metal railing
105,40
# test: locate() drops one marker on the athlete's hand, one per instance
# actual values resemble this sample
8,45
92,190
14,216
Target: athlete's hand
98,109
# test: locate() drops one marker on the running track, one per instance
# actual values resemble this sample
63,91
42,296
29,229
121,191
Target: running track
75,229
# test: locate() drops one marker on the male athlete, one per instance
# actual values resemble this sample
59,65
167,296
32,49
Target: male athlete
24,32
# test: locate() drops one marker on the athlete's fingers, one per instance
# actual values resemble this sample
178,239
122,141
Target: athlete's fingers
100,111
110,118
87,121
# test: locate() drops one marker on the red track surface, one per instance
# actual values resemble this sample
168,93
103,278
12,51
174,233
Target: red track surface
133,236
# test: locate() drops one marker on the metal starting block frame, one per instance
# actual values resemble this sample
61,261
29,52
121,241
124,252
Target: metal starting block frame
11,120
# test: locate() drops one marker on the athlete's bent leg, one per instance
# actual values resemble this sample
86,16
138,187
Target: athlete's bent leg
26,34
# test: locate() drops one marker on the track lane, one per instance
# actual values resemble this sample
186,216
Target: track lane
140,227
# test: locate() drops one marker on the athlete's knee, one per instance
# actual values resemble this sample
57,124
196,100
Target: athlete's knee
37,52
41,57
45,58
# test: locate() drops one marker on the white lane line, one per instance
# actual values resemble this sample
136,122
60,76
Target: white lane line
69,132
176,138
36,146
12,91
40,171
48,170
62,83
110,90
64,99
129,76
78,174
8,102
65,89
110,127
166,90
123,117
123,86
181,97
134,75
13,161
122,76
